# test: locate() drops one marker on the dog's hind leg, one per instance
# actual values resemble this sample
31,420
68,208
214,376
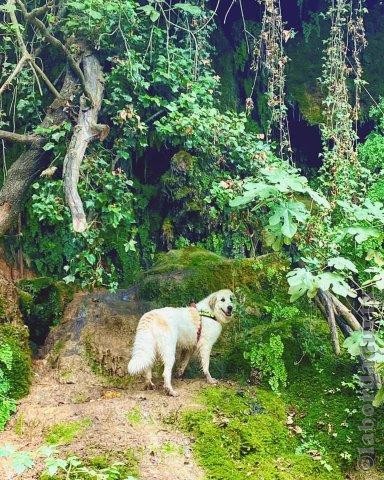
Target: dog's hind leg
184,360
169,360
149,385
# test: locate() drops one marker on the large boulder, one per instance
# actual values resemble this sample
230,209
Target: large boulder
98,328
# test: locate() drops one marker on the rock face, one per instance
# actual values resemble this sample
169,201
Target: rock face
95,336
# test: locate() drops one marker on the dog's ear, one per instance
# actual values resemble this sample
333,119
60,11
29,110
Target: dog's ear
212,302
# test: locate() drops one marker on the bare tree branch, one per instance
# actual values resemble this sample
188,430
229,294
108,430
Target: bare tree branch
14,73
85,131
17,137
55,42
26,56
345,313
330,314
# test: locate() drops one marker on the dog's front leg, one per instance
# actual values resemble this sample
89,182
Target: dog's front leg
205,354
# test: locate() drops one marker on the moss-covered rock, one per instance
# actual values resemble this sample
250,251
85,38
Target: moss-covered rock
19,375
42,301
188,275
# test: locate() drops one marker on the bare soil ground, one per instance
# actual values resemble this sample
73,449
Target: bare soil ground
164,452
98,330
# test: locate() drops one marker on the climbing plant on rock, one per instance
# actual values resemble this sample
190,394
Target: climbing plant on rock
341,171
270,59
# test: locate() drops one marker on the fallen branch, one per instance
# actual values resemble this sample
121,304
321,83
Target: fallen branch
86,130
330,314
345,313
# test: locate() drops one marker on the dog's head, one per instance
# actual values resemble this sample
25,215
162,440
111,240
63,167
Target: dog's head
221,305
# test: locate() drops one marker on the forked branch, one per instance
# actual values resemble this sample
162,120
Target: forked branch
86,130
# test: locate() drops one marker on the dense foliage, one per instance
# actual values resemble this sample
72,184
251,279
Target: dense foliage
180,164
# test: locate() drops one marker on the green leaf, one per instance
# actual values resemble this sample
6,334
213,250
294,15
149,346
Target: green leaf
57,135
341,263
48,146
379,397
362,234
319,199
95,14
21,462
334,281
187,7
242,200
353,343
154,15
69,279
301,281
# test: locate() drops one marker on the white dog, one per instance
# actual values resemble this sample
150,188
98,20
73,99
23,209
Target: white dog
160,331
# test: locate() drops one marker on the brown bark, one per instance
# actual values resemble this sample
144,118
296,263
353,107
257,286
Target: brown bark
348,316
33,161
330,314
17,137
85,131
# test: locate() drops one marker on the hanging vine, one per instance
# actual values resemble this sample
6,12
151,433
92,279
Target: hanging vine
270,58
341,171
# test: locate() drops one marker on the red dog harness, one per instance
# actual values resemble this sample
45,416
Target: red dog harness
196,317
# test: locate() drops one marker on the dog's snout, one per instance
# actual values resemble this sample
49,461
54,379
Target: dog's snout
230,308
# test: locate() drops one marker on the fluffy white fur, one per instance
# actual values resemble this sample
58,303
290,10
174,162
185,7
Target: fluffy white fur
160,331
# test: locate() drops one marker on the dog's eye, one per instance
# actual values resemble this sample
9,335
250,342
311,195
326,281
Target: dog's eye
223,299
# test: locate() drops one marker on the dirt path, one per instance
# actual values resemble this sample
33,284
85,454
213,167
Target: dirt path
117,420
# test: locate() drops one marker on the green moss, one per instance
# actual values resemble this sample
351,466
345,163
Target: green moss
330,409
134,416
65,432
242,434
19,376
183,276
42,302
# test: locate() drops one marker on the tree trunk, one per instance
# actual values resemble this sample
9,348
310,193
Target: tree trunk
85,131
33,161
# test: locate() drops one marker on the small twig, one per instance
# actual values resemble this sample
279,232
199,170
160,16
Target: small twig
14,73
155,116
48,83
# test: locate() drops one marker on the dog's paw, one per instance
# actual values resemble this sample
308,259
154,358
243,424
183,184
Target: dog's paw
150,386
212,381
172,393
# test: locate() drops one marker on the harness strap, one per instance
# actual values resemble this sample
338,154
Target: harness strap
196,317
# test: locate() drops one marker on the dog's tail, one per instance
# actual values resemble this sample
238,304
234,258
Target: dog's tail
144,349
